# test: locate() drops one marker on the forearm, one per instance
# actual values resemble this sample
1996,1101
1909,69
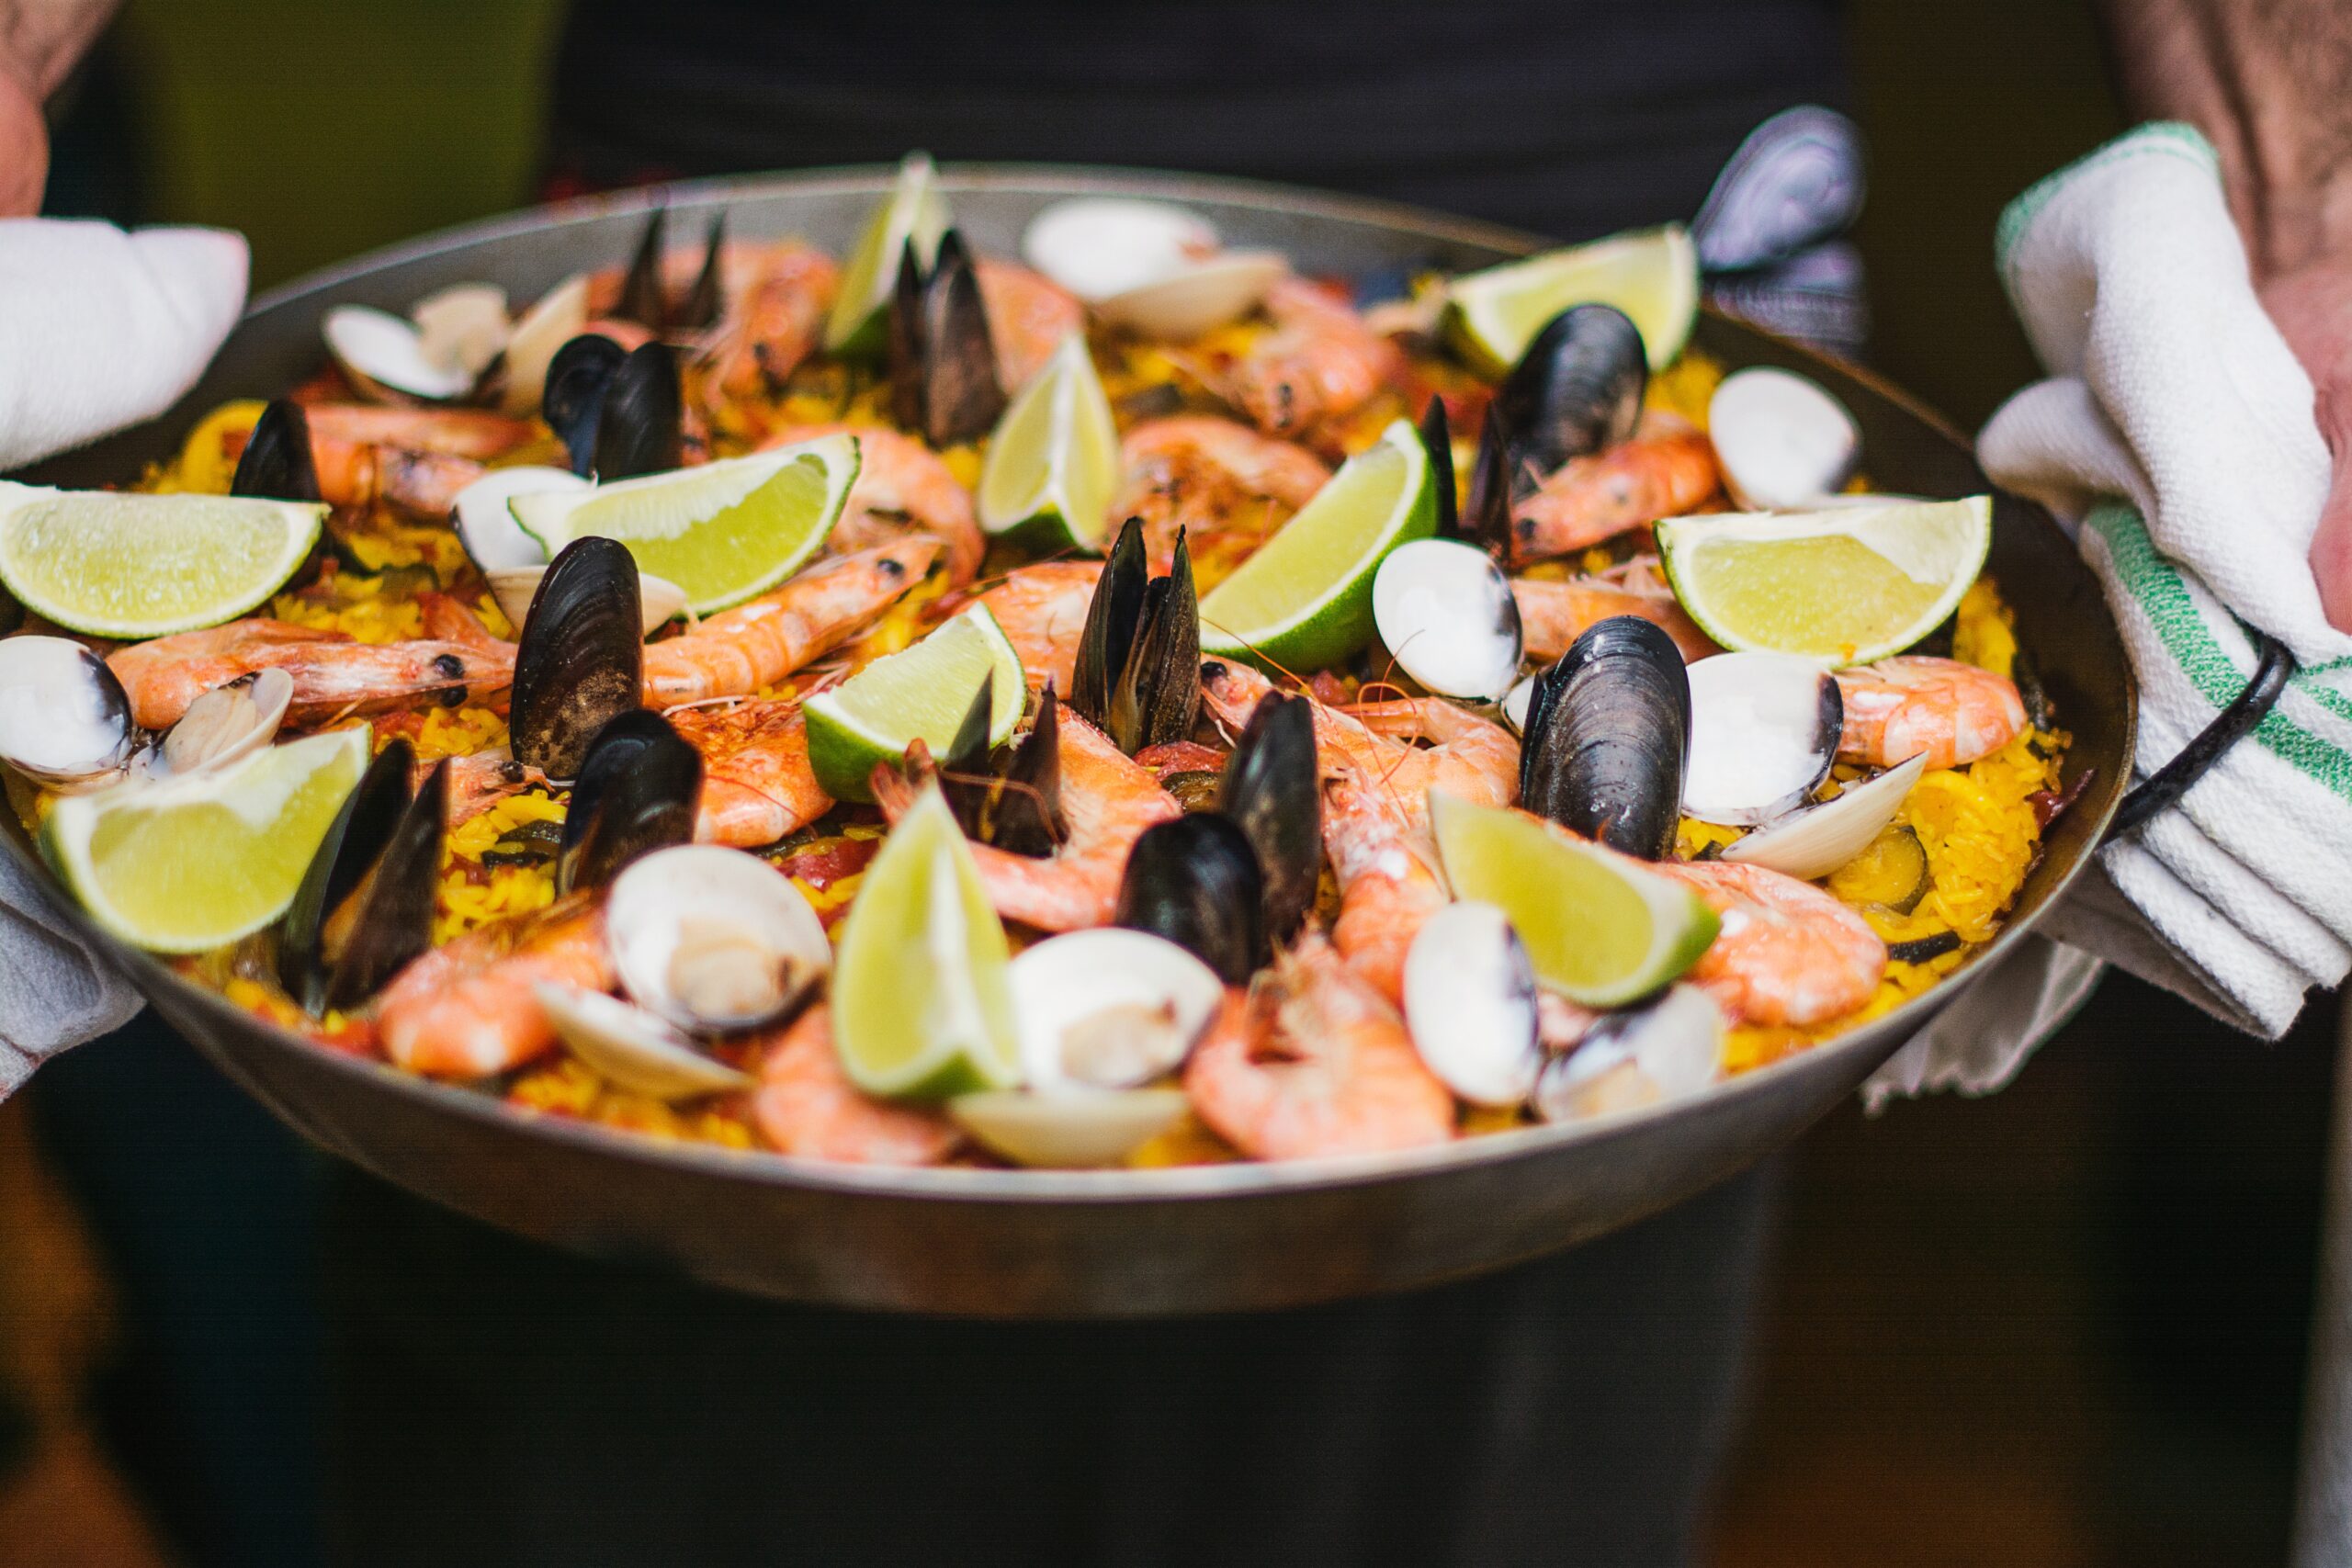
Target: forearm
2270,82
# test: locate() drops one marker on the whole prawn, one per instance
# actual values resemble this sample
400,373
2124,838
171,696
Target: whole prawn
1319,364
1041,610
1899,707
466,1009
807,1106
741,651
1553,614
1029,314
333,676
1107,801
1310,1061
1206,478
414,461
901,486
773,318
757,783
1665,469
1788,953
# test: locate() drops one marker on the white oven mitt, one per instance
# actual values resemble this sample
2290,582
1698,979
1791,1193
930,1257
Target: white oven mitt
2176,439
99,329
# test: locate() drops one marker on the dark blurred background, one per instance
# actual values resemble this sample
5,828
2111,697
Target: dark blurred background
2064,1326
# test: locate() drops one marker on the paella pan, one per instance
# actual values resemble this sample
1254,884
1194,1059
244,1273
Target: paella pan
1489,1141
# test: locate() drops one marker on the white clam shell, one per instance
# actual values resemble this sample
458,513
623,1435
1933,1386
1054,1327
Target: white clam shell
659,598
561,315
671,900
486,526
1515,704
633,1049
1764,731
1780,440
1666,1050
64,719
1817,841
1198,297
225,725
1470,1005
1097,1127
1445,613
1098,247
385,354
463,326
1108,1009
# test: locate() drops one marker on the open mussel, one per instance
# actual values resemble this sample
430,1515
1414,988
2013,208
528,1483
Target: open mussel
1764,729
364,907
1139,671
1607,738
1437,436
1577,390
1271,791
572,398
638,789
1485,504
942,360
641,428
276,462
64,718
582,658
645,298
1196,881
1011,799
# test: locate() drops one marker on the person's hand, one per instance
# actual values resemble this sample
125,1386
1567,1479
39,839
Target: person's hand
24,143
2312,305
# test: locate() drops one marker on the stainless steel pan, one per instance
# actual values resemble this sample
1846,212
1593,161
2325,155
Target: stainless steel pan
1092,1244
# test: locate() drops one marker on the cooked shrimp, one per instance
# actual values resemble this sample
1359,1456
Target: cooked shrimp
480,781
415,460
1789,953
333,676
1107,802
773,320
1042,610
466,1009
460,433
1553,614
1953,711
1319,364
1029,315
1376,805
757,783
807,1106
1665,469
901,485
741,651
1312,1061
1207,476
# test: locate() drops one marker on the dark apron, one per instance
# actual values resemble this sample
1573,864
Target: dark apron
501,1403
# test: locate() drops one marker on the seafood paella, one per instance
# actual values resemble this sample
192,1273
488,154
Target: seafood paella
1126,703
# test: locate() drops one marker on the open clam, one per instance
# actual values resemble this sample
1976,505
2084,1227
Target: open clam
1764,731
64,719
1148,264
1445,613
1470,1005
1108,1009
1817,840
1636,1057
225,725
1068,1130
1781,442
486,526
632,1048
713,940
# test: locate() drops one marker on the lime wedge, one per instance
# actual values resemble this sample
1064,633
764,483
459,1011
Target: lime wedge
913,211
922,1008
1598,929
921,694
1054,458
187,865
1846,585
143,566
723,531
1304,601
1652,275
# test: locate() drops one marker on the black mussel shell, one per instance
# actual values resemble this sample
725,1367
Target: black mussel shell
641,429
643,299
1110,630
963,767
700,309
1485,509
1607,738
1026,814
1272,792
1196,881
574,398
637,792
365,905
1576,389
582,658
961,394
1158,694
276,462
1437,436
904,324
